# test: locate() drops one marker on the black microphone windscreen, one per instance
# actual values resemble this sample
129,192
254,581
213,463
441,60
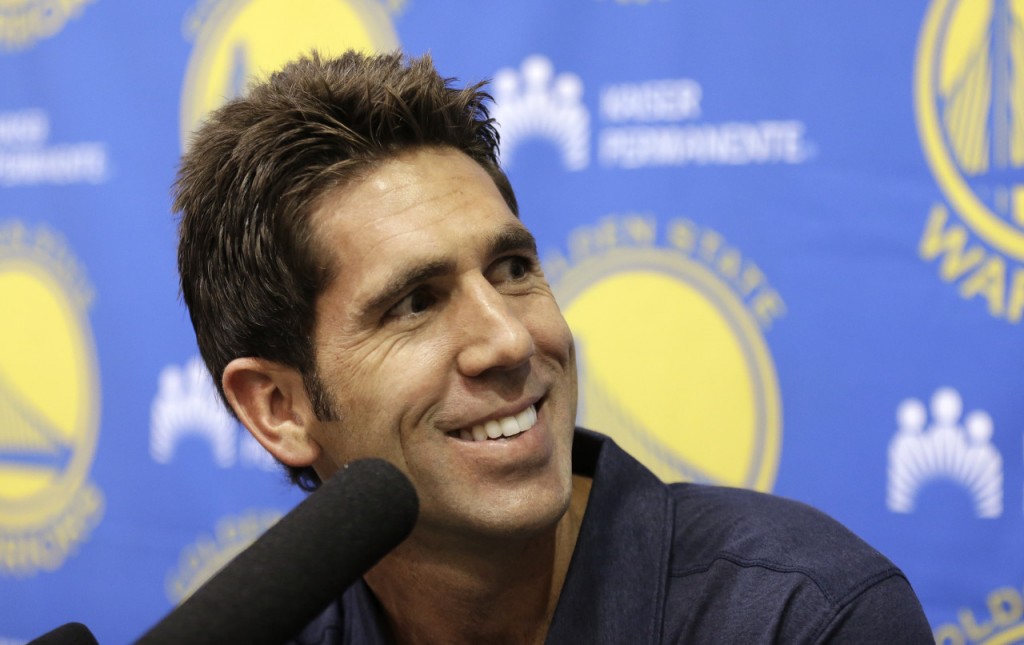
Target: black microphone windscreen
69,634
293,571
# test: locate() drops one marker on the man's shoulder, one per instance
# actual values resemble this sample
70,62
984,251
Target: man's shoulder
711,526
759,561
717,523
751,528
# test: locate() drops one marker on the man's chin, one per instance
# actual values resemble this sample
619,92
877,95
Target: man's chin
526,517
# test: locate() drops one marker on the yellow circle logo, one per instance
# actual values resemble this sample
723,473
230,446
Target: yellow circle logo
967,99
49,407
243,39
673,366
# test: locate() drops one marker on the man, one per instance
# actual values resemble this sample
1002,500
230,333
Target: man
361,285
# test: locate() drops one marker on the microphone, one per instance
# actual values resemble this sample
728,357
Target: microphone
271,590
68,634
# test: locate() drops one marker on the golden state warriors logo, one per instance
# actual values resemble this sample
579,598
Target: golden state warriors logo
668,321
970,110
243,39
23,22
49,406
202,559
1000,622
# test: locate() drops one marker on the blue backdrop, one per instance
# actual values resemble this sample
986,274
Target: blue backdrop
789,238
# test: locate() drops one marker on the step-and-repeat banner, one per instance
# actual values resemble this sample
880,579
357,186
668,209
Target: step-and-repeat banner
789,238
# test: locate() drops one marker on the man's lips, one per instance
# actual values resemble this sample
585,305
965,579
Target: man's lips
504,427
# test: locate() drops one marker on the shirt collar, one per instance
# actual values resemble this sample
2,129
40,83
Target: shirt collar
614,591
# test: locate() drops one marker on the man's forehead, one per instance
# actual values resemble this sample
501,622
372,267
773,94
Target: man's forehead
423,197
408,192
408,175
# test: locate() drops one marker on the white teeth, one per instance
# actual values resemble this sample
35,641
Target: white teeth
505,427
509,426
527,418
493,429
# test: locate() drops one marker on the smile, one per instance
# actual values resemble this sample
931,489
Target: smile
505,427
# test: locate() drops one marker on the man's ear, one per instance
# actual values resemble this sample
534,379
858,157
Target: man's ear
271,402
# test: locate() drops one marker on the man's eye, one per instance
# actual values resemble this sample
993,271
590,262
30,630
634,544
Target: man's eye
514,267
518,267
415,303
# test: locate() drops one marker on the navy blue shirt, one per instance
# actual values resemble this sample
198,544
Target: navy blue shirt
689,563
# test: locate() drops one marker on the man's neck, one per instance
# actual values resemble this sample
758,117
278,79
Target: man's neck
505,593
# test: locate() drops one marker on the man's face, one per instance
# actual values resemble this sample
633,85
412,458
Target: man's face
439,332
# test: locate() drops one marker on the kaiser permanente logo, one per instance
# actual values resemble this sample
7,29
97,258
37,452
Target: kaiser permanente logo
236,40
944,447
49,403
643,124
23,22
970,116
28,158
536,102
669,319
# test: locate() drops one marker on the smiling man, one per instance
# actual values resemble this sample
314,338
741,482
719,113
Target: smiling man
361,286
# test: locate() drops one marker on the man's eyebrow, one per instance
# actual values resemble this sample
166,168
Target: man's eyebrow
513,238
402,281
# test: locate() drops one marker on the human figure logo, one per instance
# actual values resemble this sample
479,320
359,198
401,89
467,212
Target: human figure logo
946,448
535,102
187,405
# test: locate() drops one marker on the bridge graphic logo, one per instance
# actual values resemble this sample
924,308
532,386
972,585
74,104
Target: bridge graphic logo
49,403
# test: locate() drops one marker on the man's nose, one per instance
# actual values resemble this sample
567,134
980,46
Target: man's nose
493,335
